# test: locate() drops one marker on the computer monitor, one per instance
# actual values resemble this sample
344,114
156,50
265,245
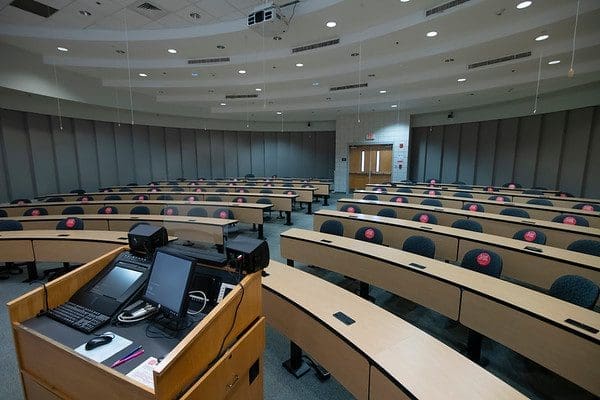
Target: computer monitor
169,283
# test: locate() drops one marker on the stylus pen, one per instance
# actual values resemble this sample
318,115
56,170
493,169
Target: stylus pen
123,360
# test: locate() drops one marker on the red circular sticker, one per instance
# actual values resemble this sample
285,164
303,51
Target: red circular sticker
191,198
153,184
500,199
70,223
140,197
489,189
108,210
35,212
85,199
378,190
432,192
268,184
223,214
289,192
432,181
369,233
587,207
153,190
570,221
484,259
511,186
201,179
563,195
198,190
473,207
20,202
239,200
399,200
530,236
351,210
169,211
231,184
193,184
424,218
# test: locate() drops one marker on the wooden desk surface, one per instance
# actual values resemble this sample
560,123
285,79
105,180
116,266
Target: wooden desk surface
550,191
133,217
425,367
96,236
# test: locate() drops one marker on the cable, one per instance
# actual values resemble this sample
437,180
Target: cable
205,298
233,321
45,310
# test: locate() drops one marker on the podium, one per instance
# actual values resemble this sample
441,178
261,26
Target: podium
192,368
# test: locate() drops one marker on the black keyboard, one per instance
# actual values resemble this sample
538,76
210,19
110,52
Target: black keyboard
81,318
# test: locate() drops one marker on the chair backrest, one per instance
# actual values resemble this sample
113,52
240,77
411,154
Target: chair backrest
370,197
432,202
290,192
85,198
350,208
432,192
420,245
332,227
511,185
463,194
587,207
20,201
369,234
105,190
571,220
112,197
540,202
169,210
77,191
465,187
499,199
140,210
576,290
192,198
432,181
223,213
213,198
468,225
70,223
3,214
484,261
514,212
108,210
222,190
399,199
564,194
540,188
380,189
473,207
140,197
241,190
531,235
55,199
132,184
10,225
586,246
35,211
177,189
266,191
490,189
404,190
125,189
73,210
533,191
197,212
264,200
240,199
425,218
387,212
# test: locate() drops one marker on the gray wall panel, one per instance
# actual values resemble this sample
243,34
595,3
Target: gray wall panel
451,153
142,154
309,155
505,151
258,153
230,153
66,155
575,148
549,149
244,153
124,147
527,148
188,153
42,155
173,147
433,162
17,154
484,170
271,154
283,154
158,154
203,154
217,154
418,153
87,157
296,162
591,184
5,192
107,153
468,152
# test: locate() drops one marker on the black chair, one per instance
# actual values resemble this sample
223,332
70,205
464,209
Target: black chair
571,220
515,212
463,194
192,198
222,190
164,197
500,199
380,189
404,190
3,214
420,245
35,211
247,176
332,227
586,246
490,189
140,197
511,185
172,182
399,199
370,197
350,208
240,199
425,218
432,192
77,191
85,198
197,212
540,202
242,190
564,194
464,187
20,201
10,268
125,189
170,210
587,207
473,207
140,210
536,192
531,236
112,197
223,213
468,225
132,184
177,189
108,210
54,199
213,198
458,183
105,190
264,200
576,290
73,210
483,261
266,191
387,212
432,202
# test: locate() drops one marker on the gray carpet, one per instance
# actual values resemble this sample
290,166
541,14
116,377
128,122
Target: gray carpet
529,378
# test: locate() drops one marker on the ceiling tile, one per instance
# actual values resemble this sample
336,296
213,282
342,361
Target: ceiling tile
174,21
205,18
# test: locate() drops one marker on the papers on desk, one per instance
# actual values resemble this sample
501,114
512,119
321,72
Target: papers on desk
105,352
143,372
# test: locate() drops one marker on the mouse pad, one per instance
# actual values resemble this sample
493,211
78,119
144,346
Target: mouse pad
102,353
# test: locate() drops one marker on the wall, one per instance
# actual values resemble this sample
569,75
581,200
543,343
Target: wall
387,127
559,150
37,158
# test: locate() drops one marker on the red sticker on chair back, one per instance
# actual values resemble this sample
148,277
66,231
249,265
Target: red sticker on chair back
500,199
141,197
484,259
351,210
154,190
108,210
169,211
587,207
432,181
85,199
512,186
530,236
20,202
191,198
563,195
198,190
432,193
289,192
473,207
424,218
231,184
370,233
570,220
223,215
70,223
239,200
379,190
399,200
489,189
35,212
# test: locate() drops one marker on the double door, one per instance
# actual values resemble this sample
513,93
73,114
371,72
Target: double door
370,164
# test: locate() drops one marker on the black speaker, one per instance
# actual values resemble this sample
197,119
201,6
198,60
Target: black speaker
249,255
145,239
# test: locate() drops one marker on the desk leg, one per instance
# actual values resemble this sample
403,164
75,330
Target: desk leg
288,218
295,365
325,200
363,292
32,274
474,348
309,210
261,233
253,227
290,262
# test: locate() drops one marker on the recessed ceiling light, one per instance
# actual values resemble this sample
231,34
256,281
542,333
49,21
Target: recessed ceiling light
119,51
542,37
194,74
328,98
354,54
331,24
315,83
299,65
524,4
258,89
404,1
382,91
220,46
195,15
431,34
461,80
554,62
279,113
85,13
143,75
276,37
172,51
62,49
223,104
371,75
396,105
242,71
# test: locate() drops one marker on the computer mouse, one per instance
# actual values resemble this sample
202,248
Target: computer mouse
98,341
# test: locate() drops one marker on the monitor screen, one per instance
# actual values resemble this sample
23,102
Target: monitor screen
116,282
168,282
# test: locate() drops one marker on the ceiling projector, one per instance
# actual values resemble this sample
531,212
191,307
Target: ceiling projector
267,20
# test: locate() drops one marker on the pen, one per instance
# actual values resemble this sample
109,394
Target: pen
129,357
131,352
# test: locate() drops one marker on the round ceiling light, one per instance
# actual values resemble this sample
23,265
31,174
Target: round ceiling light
223,104
461,80
542,37
242,71
331,24
524,4
143,75
299,65
279,113
394,105
62,48
315,83
172,51
195,15
258,89
194,74
382,91
554,62
431,34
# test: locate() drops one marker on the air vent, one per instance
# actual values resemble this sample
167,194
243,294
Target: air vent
209,60
147,9
499,60
348,87
241,96
444,7
34,7
315,46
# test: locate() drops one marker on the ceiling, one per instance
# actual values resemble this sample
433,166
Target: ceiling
382,43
